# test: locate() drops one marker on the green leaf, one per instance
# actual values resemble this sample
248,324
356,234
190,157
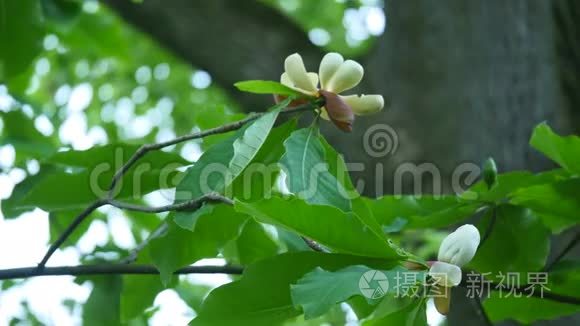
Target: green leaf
103,305
254,182
317,291
10,206
114,156
308,173
557,204
206,175
20,132
139,292
327,225
517,233
192,294
247,146
61,11
421,212
266,87
563,150
254,243
92,173
180,247
262,295
509,182
291,240
258,178
414,314
77,190
564,279
337,168
21,33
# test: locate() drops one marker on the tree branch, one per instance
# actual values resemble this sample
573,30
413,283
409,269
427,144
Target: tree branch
193,204
563,253
159,231
489,227
196,135
109,269
68,231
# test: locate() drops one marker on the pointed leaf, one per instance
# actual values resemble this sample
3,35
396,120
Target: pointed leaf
317,291
563,150
266,87
308,172
262,295
327,225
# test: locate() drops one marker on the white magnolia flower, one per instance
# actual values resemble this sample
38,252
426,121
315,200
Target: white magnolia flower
336,75
445,274
459,247
456,250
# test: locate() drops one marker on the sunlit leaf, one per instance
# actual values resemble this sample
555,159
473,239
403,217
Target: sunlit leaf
266,87
308,172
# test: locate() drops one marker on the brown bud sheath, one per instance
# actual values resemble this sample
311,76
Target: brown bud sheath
443,299
338,111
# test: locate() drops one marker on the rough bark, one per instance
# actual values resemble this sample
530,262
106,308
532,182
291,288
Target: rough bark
233,40
466,79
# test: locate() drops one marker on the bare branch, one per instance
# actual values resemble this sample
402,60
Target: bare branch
68,231
489,227
193,204
564,251
111,269
158,232
196,135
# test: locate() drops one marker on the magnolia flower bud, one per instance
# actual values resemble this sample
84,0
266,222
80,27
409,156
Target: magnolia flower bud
459,247
445,274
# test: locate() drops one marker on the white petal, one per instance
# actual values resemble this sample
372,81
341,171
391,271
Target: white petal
294,67
445,274
348,75
365,104
284,79
328,67
313,78
460,246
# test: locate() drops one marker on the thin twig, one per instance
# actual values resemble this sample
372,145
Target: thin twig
108,269
196,135
139,154
563,253
489,227
482,312
133,255
193,204
68,231
188,205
